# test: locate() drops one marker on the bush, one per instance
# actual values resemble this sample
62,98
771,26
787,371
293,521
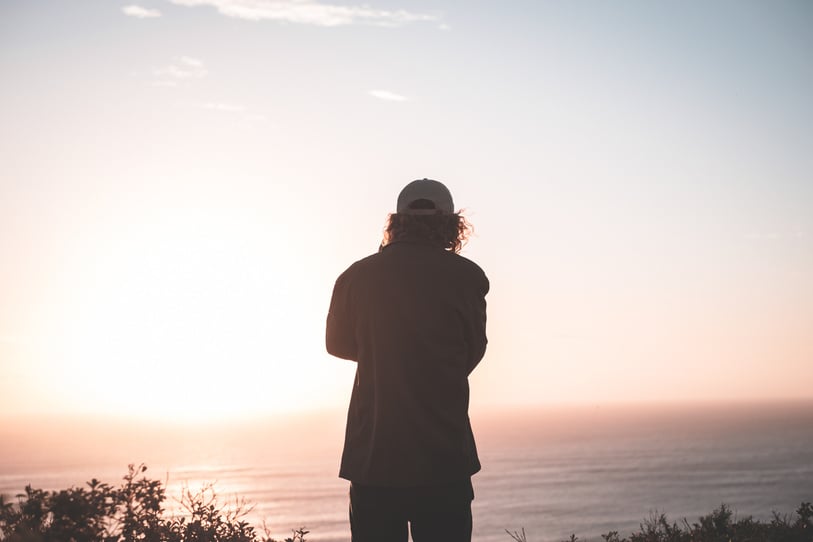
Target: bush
718,526
133,512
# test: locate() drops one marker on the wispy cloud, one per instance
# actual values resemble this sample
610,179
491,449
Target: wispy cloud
762,236
309,12
797,233
236,111
387,95
140,12
224,107
183,68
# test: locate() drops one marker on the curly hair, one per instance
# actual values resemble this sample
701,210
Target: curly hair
450,232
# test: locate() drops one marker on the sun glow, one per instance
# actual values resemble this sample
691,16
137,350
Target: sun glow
186,316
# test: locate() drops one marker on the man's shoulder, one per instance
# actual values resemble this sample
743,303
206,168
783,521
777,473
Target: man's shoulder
366,261
379,262
359,265
474,270
467,263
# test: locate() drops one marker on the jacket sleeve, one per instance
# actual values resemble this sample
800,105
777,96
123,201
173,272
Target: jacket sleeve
477,324
340,336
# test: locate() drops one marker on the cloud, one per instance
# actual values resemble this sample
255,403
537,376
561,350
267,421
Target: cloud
387,95
184,68
308,12
797,233
140,12
762,236
226,108
237,111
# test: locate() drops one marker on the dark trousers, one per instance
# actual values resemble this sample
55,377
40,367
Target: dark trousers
433,513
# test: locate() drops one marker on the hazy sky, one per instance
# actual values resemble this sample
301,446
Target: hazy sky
182,180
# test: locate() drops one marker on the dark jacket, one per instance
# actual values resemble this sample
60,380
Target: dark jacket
413,316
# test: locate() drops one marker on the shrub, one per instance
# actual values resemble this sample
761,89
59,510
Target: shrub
718,526
133,512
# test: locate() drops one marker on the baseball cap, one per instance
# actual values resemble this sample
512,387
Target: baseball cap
433,192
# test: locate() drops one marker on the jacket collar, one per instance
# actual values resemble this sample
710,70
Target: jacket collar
413,240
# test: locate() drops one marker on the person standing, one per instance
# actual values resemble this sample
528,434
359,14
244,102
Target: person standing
413,317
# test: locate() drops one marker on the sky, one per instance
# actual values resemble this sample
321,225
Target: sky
181,181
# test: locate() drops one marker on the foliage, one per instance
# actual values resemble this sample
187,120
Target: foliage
718,526
133,512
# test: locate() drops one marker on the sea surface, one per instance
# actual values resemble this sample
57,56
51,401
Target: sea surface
551,471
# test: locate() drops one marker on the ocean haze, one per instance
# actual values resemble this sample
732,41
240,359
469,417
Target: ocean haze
553,471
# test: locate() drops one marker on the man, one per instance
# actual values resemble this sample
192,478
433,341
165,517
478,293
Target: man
413,316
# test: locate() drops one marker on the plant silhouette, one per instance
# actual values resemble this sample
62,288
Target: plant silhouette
133,512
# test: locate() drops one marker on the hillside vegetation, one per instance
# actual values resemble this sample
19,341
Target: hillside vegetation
135,511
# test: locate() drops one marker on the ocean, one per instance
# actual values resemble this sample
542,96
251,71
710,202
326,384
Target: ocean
550,471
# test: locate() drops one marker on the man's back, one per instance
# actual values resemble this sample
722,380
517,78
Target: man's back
413,316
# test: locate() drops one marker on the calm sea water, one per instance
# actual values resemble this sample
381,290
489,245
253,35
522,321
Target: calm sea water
552,472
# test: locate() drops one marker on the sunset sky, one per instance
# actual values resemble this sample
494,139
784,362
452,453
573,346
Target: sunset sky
181,181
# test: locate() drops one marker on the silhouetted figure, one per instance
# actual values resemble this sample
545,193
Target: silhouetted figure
413,316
